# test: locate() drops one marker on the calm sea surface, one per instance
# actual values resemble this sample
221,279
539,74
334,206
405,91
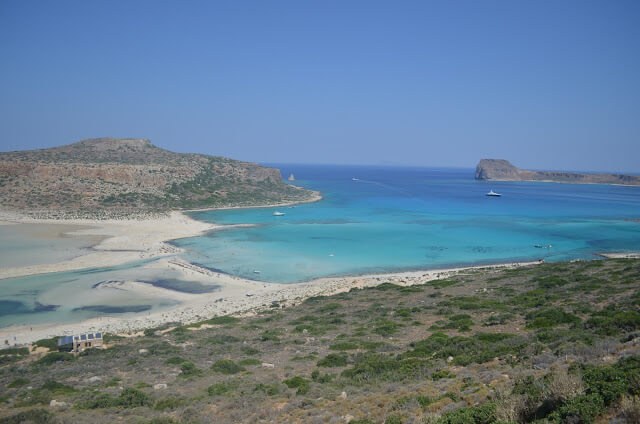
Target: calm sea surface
389,219
386,219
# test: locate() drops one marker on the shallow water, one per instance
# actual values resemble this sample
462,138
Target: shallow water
27,245
73,296
392,219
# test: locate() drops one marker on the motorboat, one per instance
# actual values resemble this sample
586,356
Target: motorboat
493,194
276,213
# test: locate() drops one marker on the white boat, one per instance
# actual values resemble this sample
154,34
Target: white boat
291,178
276,213
355,179
255,271
493,194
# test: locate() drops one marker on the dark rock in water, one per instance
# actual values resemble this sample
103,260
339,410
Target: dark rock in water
503,170
107,309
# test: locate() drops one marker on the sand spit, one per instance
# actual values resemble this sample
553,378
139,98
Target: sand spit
620,255
124,240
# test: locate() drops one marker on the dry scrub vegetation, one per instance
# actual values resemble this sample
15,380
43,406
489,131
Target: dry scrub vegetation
553,343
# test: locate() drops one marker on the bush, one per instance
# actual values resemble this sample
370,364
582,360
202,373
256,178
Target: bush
39,416
333,360
54,357
189,369
226,366
219,389
169,403
249,362
131,398
268,389
299,383
549,318
483,414
580,409
51,344
18,382
128,398
343,346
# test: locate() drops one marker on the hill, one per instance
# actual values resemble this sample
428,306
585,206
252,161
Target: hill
555,343
503,170
126,175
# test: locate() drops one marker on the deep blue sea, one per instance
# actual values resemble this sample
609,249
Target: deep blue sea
380,219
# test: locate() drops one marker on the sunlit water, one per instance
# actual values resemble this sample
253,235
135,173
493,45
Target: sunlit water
389,219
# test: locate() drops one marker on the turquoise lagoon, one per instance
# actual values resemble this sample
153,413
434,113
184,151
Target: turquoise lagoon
382,219
371,220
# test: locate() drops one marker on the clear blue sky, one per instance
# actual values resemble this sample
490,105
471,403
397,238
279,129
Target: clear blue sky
546,84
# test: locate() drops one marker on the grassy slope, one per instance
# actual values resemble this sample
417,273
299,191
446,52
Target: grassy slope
478,348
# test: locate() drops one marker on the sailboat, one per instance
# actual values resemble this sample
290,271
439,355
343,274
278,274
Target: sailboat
291,178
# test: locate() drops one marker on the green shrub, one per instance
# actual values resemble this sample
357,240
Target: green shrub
18,382
189,369
380,367
54,357
128,398
51,344
479,348
247,350
249,362
226,366
343,346
169,403
175,360
438,375
219,389
580,409
268,389
39,416
333,360
131,398
386,328
299,383
550,317
57,388
483,414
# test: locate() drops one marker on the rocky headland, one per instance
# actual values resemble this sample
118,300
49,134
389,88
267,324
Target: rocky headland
503,170
110,176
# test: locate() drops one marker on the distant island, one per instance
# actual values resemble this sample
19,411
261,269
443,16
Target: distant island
110,176
503,170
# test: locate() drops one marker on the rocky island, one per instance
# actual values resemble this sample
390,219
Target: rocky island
503,170
122,176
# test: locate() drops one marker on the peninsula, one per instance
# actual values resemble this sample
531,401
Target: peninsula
503,170
107,177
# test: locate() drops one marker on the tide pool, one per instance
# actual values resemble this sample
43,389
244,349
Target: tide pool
382,219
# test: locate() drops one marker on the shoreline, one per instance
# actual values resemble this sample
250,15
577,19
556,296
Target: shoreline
236,296
133,239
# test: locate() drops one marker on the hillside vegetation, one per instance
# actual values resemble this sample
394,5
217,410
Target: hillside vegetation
552,343
109,175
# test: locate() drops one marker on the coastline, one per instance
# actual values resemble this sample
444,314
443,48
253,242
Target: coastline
126,240
236,296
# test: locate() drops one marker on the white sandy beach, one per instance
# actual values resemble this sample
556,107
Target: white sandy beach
131,239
